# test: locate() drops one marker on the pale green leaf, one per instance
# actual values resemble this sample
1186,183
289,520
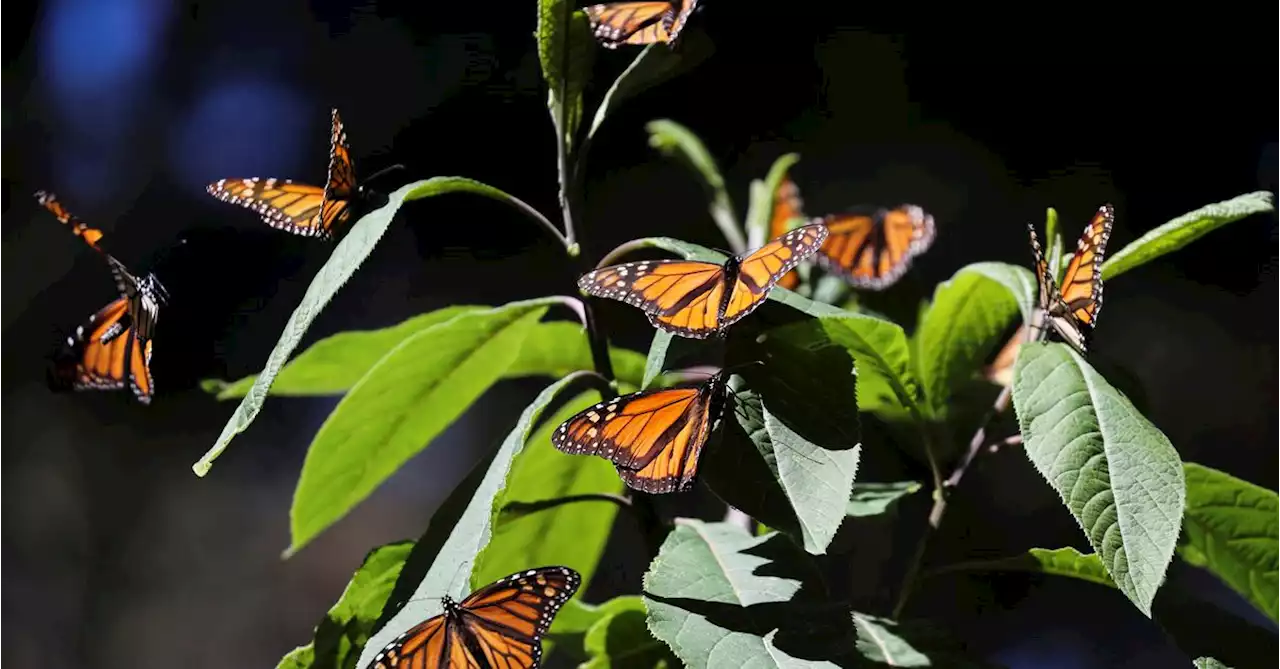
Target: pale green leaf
891,643
1230,528
655,64
873,499
566,49
621,640
966,321
886,382
1067,562
409,397
673,139
347,256
1208,663
450,571
559,347
1183,230
1116,472
572,535
1053,242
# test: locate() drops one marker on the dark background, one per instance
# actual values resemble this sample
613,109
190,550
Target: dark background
115,555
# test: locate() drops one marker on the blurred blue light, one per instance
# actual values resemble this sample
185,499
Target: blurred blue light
247,127
99,48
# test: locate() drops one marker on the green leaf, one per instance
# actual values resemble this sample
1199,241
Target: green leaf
1117,473
760,213
966,321
621,639
1183,230
656,361
1018,280
1053,240
671,138
655,64
572,535
409,397
908,644
1230,528
719,597
450,571
556,348
347,256
334,364
346,627
873,499
1067,562
1208,663
566,49
886,382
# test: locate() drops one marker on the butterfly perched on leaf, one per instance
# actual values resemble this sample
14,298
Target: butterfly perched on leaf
1072,310
114,347
500,625
698,299
303,209
870,249
617,23
654,438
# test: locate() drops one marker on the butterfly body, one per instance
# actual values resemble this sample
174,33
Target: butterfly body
114,347
698,299
303,209
639,23
1072,310
499,626
654,438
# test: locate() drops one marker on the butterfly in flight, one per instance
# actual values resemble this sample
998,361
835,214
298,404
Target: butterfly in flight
1073,309
114,346
653,437
698,299
300,208
499,626
648,22
787,207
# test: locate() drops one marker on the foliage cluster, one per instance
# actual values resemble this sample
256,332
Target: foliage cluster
731,593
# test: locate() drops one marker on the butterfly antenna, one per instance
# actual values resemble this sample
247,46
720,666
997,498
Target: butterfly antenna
730,368
383,172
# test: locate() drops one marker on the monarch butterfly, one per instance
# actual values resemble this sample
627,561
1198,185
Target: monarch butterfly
303,209
1000,371
873,250
499,626
787,206
1073,310
617,23
115,344
653,437
697,299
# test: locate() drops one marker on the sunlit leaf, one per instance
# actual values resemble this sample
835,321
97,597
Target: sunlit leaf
566,49
873,499
450,570
409,397
1115,471
655,64
1231,529
347,256
1183,230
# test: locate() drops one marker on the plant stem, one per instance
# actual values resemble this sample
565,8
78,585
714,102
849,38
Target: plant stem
521,508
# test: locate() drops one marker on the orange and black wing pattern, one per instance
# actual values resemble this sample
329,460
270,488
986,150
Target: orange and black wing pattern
499,626
682,297
78,227
654,438
873,250
1073,309
302,209
787,207
758,272
106,353
638,23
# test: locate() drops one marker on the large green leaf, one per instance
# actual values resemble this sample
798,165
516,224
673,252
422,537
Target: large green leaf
334,364
621,640
719,597
450,570
1183,230
966,321
881,354
873,499
673,139
346,627
891,643
1117,473
347,256
569,629
565,51
798,417
655,64
1230,528
572,535
1067,562
409,397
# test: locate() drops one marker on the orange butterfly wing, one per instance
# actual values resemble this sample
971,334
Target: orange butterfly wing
787,206
764,267
300,208
679,296
499,626
638,22
78,227
1082,281
874,251
654,437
